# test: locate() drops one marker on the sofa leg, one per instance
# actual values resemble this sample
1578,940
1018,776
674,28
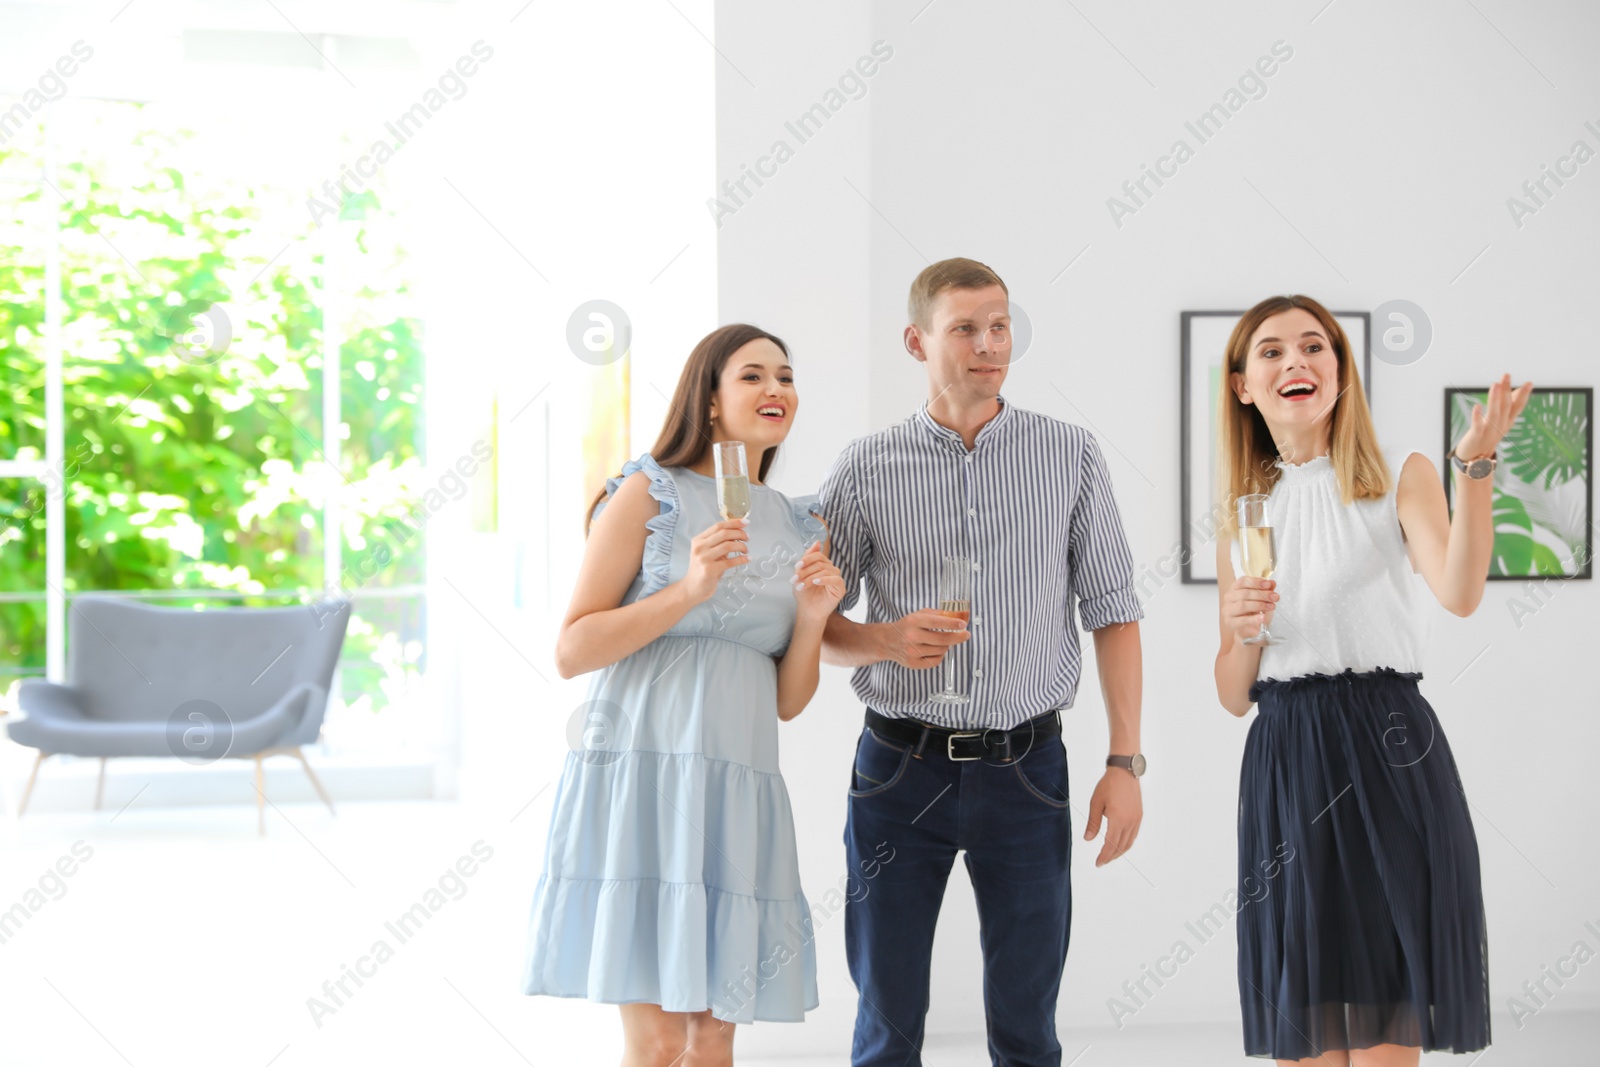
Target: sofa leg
316,783
261,799
34,777
100,785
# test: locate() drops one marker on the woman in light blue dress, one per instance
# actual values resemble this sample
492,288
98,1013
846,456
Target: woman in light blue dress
671,880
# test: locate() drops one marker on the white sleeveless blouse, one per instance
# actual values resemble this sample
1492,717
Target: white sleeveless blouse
1348,598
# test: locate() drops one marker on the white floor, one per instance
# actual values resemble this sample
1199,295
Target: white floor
1557,1040
176,936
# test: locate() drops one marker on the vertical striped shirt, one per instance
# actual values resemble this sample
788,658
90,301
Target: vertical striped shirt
1031,505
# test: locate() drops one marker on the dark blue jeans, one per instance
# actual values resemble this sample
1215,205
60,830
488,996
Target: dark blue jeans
910,813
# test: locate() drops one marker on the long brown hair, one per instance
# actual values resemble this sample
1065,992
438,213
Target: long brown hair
686,435
1248,454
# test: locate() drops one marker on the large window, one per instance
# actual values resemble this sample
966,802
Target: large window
214,385
209,396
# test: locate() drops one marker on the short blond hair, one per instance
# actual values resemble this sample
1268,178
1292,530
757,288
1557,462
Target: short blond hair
946,274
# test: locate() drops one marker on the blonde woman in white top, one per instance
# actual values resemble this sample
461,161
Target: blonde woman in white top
1361,933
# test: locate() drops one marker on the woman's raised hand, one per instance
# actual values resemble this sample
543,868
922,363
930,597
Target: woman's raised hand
1490,426
714,551
818,585
1248,605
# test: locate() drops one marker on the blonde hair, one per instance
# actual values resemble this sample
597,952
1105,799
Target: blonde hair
957,273
1247,454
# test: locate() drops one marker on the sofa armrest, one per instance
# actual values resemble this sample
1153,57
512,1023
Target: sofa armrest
48,700
306,723
279,724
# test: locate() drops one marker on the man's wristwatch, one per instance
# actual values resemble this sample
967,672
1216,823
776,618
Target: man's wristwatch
1481,467
1133,763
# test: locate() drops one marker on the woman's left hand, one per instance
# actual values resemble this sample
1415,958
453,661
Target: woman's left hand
1490,427
818,585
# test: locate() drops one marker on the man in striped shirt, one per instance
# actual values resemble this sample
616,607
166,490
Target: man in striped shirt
1027,499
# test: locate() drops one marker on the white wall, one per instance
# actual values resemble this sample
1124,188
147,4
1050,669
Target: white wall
796,258
1377,166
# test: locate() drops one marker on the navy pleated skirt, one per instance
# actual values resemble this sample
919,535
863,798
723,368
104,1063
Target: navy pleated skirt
1360,904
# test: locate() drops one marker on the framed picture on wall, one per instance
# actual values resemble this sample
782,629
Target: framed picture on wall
1203,337
1543,482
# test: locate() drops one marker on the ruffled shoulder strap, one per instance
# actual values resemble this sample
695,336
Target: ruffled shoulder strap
808,517
657,561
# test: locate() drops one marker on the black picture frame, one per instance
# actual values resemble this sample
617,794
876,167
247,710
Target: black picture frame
1504,474
1201,570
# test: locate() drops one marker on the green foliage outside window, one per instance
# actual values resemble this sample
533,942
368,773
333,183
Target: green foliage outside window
184,468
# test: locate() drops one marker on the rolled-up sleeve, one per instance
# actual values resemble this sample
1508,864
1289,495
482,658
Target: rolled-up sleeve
850,548
1097,549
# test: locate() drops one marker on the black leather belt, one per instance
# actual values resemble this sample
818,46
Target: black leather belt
962,745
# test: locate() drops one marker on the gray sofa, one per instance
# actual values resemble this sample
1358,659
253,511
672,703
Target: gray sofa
198,685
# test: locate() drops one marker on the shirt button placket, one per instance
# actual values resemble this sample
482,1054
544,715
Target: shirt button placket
972,551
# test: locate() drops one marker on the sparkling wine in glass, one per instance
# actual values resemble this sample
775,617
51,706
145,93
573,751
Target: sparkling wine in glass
733,480
955,600
1258,551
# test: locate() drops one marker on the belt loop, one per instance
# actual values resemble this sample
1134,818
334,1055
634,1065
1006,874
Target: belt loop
921,741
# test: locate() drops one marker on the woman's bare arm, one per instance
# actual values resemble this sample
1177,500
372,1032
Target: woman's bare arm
798,672
1452,554
596,631
819,588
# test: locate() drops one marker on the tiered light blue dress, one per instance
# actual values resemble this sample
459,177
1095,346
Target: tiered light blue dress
671,875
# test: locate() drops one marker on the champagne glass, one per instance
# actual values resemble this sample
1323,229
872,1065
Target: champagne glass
733,486
733,479
1258,551
955,600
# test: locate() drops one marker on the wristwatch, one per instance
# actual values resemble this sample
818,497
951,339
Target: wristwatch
1133,764
1481,467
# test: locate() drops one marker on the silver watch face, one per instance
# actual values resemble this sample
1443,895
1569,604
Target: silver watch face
1480,468
1138,765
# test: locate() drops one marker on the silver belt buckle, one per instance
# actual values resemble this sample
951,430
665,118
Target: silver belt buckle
950,748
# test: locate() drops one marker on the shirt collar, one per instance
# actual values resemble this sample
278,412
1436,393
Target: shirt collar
988,429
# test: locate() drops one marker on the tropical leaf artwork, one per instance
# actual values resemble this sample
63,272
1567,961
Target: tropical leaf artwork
1542,485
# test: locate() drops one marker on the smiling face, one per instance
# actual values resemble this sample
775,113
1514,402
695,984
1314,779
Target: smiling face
1291,372
966,343
755,399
